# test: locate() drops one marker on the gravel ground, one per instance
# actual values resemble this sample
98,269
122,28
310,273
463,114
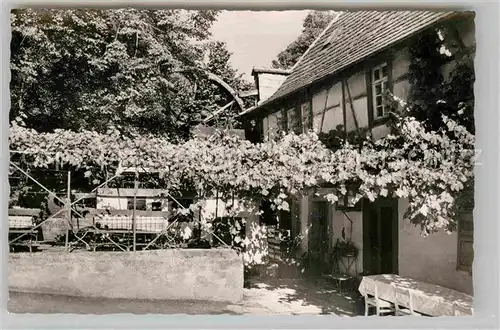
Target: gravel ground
48,304
261,297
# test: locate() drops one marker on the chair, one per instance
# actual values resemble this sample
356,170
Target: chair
403,311
382,307
342,278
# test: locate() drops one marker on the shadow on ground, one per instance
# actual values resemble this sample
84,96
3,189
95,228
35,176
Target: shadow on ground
296,296
263,295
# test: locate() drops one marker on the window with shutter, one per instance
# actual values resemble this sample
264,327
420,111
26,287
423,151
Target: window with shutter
465,251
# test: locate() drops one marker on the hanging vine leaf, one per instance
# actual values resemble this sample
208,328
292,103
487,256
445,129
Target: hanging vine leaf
428,167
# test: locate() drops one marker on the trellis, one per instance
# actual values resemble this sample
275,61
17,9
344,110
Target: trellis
69,208
294,164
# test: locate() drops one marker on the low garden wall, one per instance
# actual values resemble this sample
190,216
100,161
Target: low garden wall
184,274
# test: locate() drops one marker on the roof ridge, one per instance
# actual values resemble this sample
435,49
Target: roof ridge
317,38
417,20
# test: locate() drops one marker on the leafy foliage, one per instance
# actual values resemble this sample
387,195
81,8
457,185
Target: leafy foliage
426,167
314,23
433,94
128,68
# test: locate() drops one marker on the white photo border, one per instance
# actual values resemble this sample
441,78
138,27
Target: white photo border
487,199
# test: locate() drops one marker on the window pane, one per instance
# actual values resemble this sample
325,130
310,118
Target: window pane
384,86
384,71
140,203
156,206
380,111
378,89
305,109
291,119
376,74
306,124
378,101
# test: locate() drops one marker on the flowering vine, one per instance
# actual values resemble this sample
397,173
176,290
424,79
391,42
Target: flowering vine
427,167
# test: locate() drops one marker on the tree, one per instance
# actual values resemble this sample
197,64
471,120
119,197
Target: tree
314,23
91,68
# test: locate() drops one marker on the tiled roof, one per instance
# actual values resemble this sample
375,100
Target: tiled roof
354,36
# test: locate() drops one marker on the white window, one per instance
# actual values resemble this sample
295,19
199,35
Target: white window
379,85
305,110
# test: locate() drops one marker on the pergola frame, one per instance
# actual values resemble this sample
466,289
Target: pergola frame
70,207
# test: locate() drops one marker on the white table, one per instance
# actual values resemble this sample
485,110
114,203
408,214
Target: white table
429,299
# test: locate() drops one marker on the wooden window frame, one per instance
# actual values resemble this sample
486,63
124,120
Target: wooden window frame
306,118
283,120
383,82
156,206
141,203
292,125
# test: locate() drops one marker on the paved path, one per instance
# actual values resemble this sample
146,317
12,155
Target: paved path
262,297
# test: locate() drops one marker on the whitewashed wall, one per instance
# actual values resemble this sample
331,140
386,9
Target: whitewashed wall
340,220
432,259
333,116
268,84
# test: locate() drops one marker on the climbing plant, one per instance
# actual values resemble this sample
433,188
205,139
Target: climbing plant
434,93
427,166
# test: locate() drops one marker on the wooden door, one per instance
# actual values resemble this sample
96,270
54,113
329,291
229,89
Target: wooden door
380,236
318,233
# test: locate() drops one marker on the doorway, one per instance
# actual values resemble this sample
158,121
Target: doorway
318,235
380,236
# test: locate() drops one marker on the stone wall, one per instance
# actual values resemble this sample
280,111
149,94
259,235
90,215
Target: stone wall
185,274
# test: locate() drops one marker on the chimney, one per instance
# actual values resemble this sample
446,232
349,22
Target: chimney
268,81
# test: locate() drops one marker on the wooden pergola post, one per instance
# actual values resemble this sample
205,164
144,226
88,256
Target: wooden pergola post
134,224
68,206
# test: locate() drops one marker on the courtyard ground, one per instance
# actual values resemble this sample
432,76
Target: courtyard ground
262,296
